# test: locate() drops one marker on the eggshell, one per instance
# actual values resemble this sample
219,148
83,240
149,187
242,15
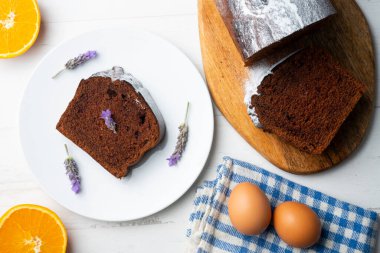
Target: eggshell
249,209
297,224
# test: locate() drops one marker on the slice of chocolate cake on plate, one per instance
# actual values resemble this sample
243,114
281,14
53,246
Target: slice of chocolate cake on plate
306,99
114,119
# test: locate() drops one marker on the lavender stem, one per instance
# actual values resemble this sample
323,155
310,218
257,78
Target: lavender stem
187,112
62,70
67,150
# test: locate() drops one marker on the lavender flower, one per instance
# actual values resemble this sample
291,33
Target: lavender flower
79,60
110,123
181,141
72,171
173,159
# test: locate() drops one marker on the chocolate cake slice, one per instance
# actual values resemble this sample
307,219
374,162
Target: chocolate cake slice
139,124
306,99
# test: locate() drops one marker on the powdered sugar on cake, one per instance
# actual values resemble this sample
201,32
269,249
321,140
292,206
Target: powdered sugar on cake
118,73
257,24
257,72
284,20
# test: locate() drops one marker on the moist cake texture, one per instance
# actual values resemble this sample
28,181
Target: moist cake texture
306,99
138,127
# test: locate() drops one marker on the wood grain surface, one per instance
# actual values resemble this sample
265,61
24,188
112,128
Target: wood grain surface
346,36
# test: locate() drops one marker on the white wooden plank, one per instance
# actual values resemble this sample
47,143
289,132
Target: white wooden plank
84,10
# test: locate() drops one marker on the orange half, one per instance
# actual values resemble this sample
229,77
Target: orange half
32,229
19,26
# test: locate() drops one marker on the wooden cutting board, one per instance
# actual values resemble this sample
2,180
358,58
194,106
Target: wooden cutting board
347,37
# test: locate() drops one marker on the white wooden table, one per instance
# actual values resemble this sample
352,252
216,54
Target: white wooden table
356,180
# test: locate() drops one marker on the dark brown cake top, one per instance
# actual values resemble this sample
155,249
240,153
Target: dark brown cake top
306,99
137,129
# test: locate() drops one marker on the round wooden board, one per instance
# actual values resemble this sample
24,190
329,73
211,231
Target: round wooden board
347,37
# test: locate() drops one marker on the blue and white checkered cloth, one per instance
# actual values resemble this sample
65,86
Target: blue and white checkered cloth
345,227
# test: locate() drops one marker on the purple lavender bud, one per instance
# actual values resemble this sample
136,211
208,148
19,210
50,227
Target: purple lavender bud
106,114
181,141
80,59
72,172
110,123
90,54
173,159
76,187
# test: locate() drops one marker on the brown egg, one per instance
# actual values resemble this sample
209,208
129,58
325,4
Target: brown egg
249,209
297,224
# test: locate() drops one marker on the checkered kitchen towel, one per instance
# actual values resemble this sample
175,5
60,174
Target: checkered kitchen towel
346,227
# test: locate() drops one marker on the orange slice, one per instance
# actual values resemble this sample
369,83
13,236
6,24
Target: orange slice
19,26
31,229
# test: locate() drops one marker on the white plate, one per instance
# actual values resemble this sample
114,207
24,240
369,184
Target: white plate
171,79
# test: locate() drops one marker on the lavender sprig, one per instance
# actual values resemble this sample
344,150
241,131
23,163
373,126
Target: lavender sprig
181,141
110,123
79,60
72,171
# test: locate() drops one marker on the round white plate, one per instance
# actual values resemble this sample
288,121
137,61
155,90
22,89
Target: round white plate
171,79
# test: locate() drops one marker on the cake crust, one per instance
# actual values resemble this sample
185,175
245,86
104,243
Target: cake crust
137,128
306,99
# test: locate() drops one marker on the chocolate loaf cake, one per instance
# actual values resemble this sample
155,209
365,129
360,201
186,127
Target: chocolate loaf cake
258,27
306,99
139,124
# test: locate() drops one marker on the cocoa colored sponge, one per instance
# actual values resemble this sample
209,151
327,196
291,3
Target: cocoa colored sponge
306,99
137,128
